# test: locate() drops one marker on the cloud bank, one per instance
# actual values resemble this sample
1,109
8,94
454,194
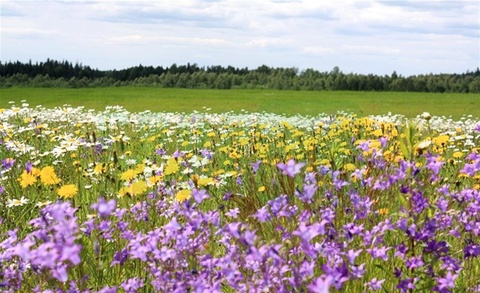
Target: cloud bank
411,37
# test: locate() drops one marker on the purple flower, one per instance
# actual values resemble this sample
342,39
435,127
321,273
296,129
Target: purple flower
206,153
28,167
477,128
307,233
414,262
119,257
108,290
406,285
308,192
358,271
234,229
321,285
160,152
338,183
132,285
375,284
379,252
434,164
352,255
239,180
262,214
8,163
199,195
178,154
232,213
401,250
255,166
104,208
447,282
291,168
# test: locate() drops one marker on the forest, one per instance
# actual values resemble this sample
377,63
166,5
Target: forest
65,74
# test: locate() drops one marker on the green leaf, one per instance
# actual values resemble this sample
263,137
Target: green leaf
404,149
403,200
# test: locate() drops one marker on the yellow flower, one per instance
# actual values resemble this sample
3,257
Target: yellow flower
134,189
457,155
154,179
441,140
349,167
377,132
48,176
99,168
183,195
128,175
383,211
27,179
205,181
139,168
172,167
261,189
67,191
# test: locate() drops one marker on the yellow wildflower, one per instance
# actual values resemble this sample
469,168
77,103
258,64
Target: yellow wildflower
383,211
172,167
139,168
205,181
155,179
183,195
457,155
67,191
48,176
27,179
349,167
441,140
99,168
134,189
128,175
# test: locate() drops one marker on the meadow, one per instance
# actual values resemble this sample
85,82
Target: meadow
138,99
109,199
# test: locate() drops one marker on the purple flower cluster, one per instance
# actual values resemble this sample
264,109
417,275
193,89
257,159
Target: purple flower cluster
314,237
50,249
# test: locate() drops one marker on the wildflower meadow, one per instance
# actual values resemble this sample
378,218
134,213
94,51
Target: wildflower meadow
114,201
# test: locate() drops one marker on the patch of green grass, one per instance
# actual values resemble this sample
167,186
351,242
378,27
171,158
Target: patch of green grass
137,99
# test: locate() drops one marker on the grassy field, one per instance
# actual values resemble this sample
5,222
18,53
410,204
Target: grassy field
137,99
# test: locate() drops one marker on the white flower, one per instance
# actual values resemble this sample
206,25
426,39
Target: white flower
424,144
16,202
426,116
41,204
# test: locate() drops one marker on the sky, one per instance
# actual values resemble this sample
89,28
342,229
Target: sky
365,37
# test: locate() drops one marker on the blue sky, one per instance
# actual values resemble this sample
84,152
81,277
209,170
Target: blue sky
378,37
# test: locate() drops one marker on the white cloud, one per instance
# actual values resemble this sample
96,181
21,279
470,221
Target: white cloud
317,50
369,50
267,42
145,40
308,33
28,32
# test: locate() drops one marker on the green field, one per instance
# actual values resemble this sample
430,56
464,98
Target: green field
138,99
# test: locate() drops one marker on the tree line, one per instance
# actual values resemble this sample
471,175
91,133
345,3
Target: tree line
53,73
